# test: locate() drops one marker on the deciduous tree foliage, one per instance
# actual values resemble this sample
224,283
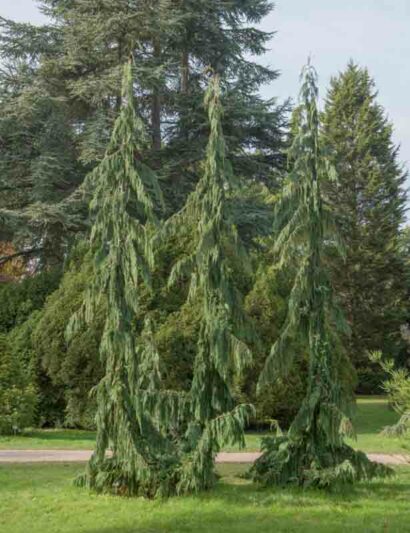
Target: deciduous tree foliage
314,451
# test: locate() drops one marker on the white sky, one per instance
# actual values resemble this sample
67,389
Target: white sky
374,33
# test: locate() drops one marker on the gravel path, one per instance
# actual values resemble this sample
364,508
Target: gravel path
74,456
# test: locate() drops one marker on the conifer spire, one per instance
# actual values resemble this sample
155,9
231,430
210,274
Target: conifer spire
314,450
214,417
122,208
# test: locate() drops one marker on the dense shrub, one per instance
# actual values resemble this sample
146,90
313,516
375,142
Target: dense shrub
18,396
50,397
280,401
20,298
370,380
266,304
72,368
176,341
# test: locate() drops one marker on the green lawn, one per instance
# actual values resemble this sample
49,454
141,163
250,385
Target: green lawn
41,498
51,439
372,415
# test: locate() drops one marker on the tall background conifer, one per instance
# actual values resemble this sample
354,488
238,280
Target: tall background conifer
369,202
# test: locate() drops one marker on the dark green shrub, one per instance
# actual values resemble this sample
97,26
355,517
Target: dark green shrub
50,397
18,395
370,380
71,369
266,303
19,299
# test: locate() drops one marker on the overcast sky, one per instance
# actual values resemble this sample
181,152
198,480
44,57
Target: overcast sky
375,33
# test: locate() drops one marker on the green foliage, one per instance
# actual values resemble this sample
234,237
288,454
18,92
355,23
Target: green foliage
169,369
370,379
314,450
38,157
279,402
19,299
266,306
368,201
221,352
176,341
397,387
125,195
50,397
18,396
60,95
74,367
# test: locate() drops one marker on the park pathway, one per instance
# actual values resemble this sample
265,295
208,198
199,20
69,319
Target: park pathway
78,456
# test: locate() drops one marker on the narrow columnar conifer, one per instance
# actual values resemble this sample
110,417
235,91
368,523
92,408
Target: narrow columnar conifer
314,451
214,416
123,210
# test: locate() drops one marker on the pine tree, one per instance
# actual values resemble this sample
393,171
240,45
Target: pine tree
369,202
313,451
122,209
214,418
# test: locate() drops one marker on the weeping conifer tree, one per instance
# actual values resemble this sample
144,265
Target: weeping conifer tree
314,451
214,418
126,193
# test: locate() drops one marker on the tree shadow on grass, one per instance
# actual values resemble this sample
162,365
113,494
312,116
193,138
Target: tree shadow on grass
241,507
234,506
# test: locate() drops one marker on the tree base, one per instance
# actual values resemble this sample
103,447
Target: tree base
288,461
129,478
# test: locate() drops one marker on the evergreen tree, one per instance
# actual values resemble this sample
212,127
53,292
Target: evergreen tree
122,208
369,201
313,451
83,48
214,418
39,165
70,85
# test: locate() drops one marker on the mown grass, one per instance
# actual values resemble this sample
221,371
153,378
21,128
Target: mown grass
41,498
373,414
49,439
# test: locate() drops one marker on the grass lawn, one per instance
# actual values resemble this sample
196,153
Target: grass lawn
41,498
50,439
372,415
